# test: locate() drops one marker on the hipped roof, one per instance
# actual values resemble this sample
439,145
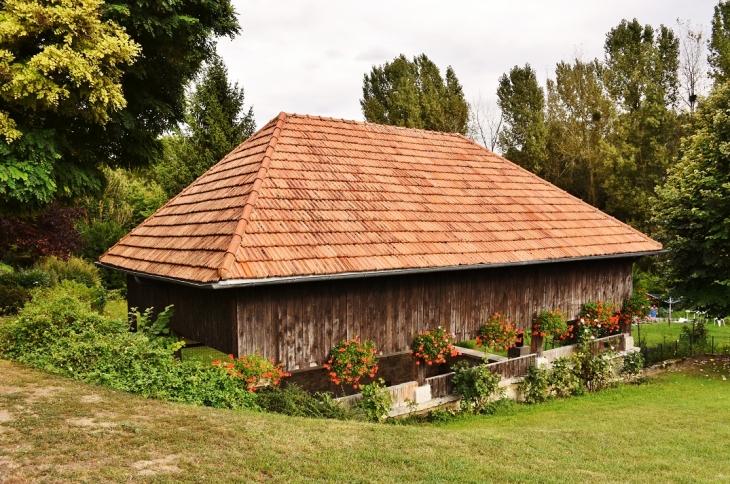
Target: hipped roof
308,196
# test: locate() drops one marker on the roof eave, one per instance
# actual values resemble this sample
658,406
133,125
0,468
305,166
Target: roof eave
232,283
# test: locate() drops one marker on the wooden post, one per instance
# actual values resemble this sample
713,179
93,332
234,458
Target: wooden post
536,345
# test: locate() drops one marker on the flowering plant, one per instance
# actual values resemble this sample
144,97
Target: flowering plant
433,346
550,323
636,307
255,370
497,332
597,319
352,360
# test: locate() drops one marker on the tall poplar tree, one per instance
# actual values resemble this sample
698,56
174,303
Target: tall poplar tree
579,119
413,94
642,65
522,101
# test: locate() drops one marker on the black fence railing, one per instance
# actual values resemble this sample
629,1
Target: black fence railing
683,347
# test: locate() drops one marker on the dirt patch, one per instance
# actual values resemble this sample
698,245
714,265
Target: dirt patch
6,390
164,465
714,367
5,416
6,463
93,398
89,422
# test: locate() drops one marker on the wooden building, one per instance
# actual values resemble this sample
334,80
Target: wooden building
315,230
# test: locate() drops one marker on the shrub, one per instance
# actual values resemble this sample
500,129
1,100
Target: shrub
562,381
534,387
73,269
12,298
352,360
433,346
497,332
293,401
28,279
696,333
549,323
597,319
145,324
595,371
632,364
59,332
477,386
255,370
376,401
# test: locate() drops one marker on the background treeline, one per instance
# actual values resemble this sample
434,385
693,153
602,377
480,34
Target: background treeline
638,133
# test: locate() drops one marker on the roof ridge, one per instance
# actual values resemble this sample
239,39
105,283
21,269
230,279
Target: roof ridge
368,123
229,257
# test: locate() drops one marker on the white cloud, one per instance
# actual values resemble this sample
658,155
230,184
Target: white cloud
309,56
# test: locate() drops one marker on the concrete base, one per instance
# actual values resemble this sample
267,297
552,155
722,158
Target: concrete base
628,343
542,362
423,394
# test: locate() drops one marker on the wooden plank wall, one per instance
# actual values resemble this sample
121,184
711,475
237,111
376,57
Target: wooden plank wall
204,315
298,323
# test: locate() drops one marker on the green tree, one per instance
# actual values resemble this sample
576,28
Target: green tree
413,94
641,76
579,118
215,123
61,66
524,134
692,211
719,44
83,103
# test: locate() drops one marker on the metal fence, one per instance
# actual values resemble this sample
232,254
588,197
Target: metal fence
683,347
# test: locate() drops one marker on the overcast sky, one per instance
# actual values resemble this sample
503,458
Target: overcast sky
309,56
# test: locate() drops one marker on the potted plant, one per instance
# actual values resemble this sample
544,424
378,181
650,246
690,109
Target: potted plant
545,324
497,333
432,347
350,361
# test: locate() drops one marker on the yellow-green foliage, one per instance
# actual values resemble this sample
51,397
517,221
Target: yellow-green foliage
73,269
60,56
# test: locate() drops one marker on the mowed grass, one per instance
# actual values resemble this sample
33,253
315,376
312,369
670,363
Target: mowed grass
662,332
673,429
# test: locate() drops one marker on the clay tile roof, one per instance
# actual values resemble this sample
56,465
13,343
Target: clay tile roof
314,196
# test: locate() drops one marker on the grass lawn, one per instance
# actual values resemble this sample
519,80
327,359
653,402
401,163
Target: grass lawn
661,332
673,429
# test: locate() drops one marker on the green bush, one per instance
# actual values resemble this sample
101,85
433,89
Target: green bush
12,298
535,386
376,401
292,400
73,269
28,278
632,364
477,386
696,332
60,332
595,371
562,380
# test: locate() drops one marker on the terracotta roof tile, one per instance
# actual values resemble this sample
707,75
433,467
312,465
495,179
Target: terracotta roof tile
308,195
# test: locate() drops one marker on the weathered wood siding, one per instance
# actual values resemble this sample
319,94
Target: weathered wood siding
299,323
204,315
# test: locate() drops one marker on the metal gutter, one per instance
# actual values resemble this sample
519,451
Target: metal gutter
232,283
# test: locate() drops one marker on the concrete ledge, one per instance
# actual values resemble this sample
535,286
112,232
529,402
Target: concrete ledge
422,407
